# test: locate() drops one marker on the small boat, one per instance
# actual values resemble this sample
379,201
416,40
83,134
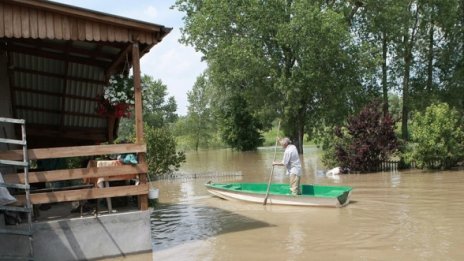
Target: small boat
279,194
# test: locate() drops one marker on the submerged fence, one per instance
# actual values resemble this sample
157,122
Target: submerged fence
388,165
200,175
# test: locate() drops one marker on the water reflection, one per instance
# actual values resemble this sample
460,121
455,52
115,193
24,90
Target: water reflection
176,224
413,215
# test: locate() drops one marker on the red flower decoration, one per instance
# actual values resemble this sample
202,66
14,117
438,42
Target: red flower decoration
106,108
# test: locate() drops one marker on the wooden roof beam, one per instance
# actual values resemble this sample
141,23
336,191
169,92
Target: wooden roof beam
55,56
55,45
121,59
39,109
56,75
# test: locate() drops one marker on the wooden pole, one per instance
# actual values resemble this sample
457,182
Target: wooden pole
137,94
142,199
272,172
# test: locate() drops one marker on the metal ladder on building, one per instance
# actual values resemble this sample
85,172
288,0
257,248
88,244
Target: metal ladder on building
21,231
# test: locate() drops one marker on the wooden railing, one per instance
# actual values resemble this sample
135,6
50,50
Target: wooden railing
140,169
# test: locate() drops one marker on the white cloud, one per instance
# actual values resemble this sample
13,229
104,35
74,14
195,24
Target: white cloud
151,12
176,65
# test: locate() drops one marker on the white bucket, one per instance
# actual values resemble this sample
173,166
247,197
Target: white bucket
153,193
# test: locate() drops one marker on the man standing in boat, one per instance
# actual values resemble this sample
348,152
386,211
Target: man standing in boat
291,161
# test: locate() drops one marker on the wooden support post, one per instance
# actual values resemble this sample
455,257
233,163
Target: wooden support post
137,94
142,199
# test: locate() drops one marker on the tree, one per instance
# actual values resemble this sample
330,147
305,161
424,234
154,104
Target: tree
199,113
162,156
288,59
376,27
451,58
438,137
238,126
157,111
421,47
367,139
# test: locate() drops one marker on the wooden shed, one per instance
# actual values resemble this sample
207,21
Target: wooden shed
55,60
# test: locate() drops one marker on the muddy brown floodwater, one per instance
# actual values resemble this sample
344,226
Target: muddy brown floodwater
398,215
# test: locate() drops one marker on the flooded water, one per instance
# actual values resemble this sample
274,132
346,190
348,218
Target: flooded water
407,215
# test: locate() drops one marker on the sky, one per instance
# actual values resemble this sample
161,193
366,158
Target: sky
175,64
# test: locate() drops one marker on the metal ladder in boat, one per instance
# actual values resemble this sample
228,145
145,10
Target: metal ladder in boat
23,231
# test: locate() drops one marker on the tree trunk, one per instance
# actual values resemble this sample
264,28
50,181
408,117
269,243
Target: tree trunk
408,43
384,73
430,57
298,132
405,113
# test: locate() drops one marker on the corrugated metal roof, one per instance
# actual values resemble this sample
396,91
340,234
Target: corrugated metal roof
76,97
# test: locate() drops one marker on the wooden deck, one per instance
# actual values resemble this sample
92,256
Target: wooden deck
123,172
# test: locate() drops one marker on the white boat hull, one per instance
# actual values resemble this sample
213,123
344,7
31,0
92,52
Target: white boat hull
299,200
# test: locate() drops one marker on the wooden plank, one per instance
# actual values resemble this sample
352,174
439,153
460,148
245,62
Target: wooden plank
81,29
143,179
16,22
49,25
57,75
137,94
121,58
84,194
116,34
142,37
66,29
55,56
154,39
88,31
8,19
81,173
88,14
126,35
42,24
119,34
58,26
33,24
2,22
73,27
76,151
25,27
111,33
103,32
96,31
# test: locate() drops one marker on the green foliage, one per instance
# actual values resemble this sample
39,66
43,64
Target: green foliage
182,131
126,130
438,137
239,129
271,135
328,142
286,59
157,111
313,63
199,122
161,151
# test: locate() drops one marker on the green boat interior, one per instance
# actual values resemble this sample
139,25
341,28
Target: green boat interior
284,189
